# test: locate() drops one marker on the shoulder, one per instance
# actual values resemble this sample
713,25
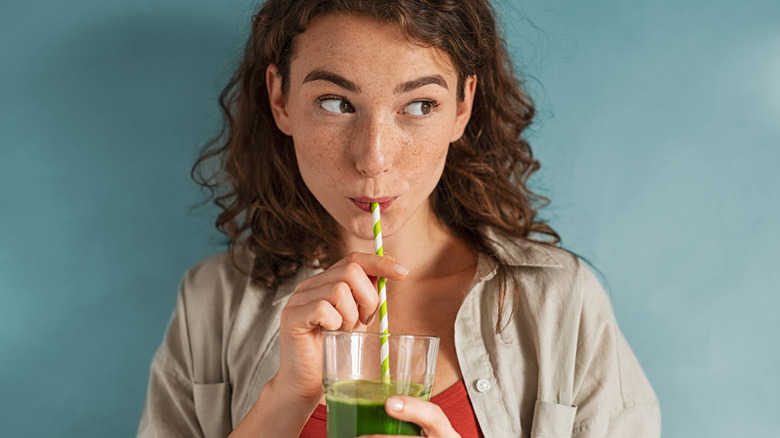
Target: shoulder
210,297
216,270
216,281
543,269
573,326
521,252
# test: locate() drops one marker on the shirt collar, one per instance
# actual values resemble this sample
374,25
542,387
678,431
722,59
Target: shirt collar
521,252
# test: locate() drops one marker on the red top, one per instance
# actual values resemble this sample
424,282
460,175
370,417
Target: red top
454,401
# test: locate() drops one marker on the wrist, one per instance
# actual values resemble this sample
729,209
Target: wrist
282,391
278,412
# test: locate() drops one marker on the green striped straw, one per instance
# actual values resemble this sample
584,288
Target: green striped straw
384,349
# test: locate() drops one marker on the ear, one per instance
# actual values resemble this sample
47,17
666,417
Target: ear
273,82
464,108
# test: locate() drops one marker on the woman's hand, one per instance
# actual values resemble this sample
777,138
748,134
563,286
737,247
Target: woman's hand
425,414
341,298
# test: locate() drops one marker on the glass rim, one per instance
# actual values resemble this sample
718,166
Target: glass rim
389,335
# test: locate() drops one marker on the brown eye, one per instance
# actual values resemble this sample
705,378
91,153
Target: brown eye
335,105
420,108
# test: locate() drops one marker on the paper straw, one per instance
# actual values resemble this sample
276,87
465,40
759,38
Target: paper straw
384,349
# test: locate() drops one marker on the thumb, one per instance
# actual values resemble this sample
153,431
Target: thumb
425,414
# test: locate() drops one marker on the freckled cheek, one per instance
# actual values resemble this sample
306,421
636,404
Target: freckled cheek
428,155
317,151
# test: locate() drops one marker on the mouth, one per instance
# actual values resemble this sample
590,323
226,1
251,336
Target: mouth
364,203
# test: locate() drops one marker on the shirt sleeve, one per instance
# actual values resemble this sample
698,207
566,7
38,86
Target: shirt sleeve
169,410
612,395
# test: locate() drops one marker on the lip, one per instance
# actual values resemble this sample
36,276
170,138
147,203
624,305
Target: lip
364,202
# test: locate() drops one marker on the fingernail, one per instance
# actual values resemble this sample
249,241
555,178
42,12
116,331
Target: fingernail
395,404
400,270
371,319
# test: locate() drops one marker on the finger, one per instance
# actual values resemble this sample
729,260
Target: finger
374,278
312,315
375,265
365,292
353,275
339,295
425,414
357,271
345,303
352,295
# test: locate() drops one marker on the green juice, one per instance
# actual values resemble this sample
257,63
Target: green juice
357,407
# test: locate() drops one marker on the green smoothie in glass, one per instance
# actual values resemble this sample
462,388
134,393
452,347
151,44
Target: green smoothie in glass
357,407
357,381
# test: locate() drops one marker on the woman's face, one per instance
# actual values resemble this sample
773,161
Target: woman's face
371,116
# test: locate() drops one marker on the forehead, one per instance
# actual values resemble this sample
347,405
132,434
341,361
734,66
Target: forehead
361,46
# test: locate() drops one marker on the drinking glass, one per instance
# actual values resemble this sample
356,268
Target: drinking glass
355,389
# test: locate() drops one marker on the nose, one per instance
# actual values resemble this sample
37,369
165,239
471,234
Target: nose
372,147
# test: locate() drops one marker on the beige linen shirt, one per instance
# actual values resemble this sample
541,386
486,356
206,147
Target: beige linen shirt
560,367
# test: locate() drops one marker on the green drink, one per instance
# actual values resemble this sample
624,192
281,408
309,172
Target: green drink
357,407
357,382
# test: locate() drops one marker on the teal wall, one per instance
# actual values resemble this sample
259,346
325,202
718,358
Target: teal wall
659,134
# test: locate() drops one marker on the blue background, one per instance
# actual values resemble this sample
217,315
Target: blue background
659,134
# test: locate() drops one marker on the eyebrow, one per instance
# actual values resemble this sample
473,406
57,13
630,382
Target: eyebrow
341,81
421,82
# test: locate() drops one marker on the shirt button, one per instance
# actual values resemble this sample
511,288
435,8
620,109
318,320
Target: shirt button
483,385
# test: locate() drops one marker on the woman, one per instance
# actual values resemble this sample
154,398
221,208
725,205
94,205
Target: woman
412,104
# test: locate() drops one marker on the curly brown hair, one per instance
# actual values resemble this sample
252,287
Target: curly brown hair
266,207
